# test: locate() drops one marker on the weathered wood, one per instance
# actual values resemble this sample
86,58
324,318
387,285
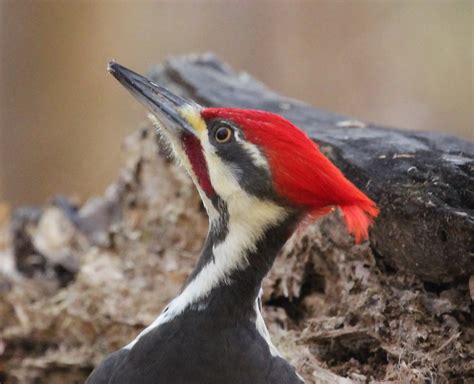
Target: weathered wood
422,181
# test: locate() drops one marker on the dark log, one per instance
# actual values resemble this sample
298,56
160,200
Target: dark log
422,181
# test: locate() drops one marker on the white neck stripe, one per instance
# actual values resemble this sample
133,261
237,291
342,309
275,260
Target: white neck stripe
245,229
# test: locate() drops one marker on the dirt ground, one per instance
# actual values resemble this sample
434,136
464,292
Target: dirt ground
81,279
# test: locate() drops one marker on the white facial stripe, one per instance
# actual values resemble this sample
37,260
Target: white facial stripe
222,179
249,218
258,159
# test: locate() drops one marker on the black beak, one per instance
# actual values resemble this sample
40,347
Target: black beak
165,105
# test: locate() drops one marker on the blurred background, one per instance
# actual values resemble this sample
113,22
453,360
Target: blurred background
62,117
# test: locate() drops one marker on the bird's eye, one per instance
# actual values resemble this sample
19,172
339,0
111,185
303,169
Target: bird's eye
223,134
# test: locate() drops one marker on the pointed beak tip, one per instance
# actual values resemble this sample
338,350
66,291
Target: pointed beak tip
161,102
112,67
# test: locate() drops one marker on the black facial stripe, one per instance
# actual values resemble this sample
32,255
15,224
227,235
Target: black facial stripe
253,179
220,227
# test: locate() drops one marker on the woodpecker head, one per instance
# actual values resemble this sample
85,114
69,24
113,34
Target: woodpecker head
256,163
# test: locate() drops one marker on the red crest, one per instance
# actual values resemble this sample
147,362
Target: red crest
301,173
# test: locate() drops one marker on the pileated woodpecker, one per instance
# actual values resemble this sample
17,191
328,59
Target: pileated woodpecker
258,176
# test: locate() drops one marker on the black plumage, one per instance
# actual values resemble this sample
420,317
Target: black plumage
216,339
194,349
213,332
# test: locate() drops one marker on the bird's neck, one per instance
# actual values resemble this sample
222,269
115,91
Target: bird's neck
243,240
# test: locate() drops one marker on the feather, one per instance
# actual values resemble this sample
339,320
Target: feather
300,172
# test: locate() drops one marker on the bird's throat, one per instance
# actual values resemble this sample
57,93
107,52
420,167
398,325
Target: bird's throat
240,249
243,241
